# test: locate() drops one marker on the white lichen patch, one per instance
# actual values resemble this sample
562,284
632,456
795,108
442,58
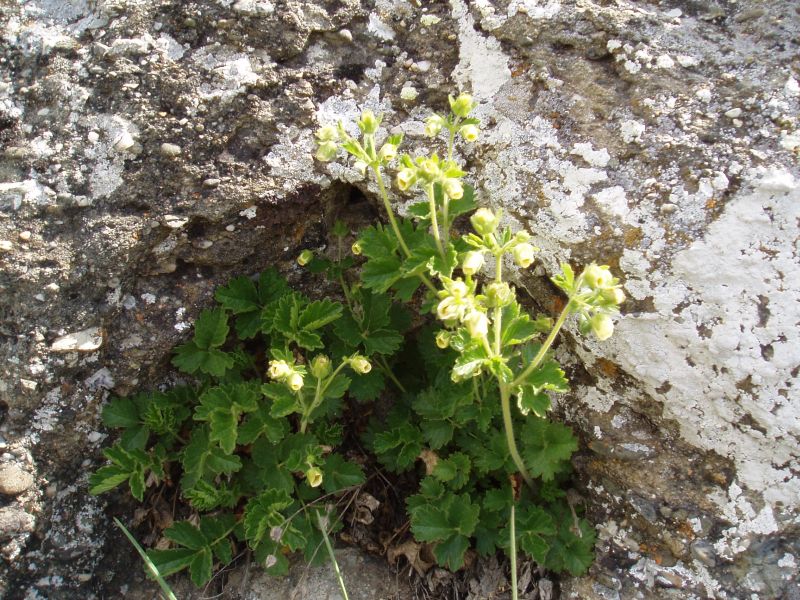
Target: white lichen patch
483,66
727,316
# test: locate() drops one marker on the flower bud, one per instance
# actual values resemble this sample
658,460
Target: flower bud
405,178
361,167
433,125
327,151
523,255
522,236
356,248
279,369
453,188
429,168
321,366
327,133
360,364
295,382
597,277
443,339
472,263
388,152
484,221
276,533
305,257
462,105
369,122
314,477
615,295
477,324
498,294
602,326
469,133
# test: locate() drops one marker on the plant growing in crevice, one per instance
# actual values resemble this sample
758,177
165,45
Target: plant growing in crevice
256,446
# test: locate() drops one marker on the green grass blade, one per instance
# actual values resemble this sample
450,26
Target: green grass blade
151,568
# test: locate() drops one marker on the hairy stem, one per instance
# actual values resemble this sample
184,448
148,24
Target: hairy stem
505,402
323,529
387,370
513,548
395,228
434,219
534,364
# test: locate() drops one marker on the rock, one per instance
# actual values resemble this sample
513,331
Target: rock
6,246
14,480
170,150
87,340
14,521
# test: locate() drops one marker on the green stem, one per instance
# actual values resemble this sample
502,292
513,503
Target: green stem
387,370
498,311
505,403
435,220
389,213
329,547
446,218
346,291
513,548
534,364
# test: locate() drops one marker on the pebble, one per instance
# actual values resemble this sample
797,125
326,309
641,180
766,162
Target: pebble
211,182
14,480
749,15
230,228
203,244
123,142
168,149
5,246
14,521
346,35
175,222
734,113
25,235
87,340
704,552
409,93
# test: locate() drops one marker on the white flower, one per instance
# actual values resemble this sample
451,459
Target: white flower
405,178
523,255
453,188
360,364
477,324
484,221
295,382
433,125
473,261
469,133
597,277
279,369
602,326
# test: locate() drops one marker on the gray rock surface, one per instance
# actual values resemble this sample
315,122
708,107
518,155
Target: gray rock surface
659,137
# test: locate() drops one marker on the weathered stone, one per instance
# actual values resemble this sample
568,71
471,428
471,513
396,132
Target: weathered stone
14,480
14,521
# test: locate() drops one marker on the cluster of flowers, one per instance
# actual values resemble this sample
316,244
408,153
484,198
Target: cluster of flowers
597,299
294,375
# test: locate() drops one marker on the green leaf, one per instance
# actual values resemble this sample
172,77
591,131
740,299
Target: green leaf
318,314
368,386
211,329
202,459
132,466
465,204
529,400
382,341
453,470
437,433
205,496
566,280
222,406
190,358
337,387
453,515
548,376
546,447
517,327
348,330
338,474
450,552
284,400
572,548
534,526
470,363
239,296
404,288
378,242
262,514
262,423
186,534
171,561
121,412
399,447
381,273
443,265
